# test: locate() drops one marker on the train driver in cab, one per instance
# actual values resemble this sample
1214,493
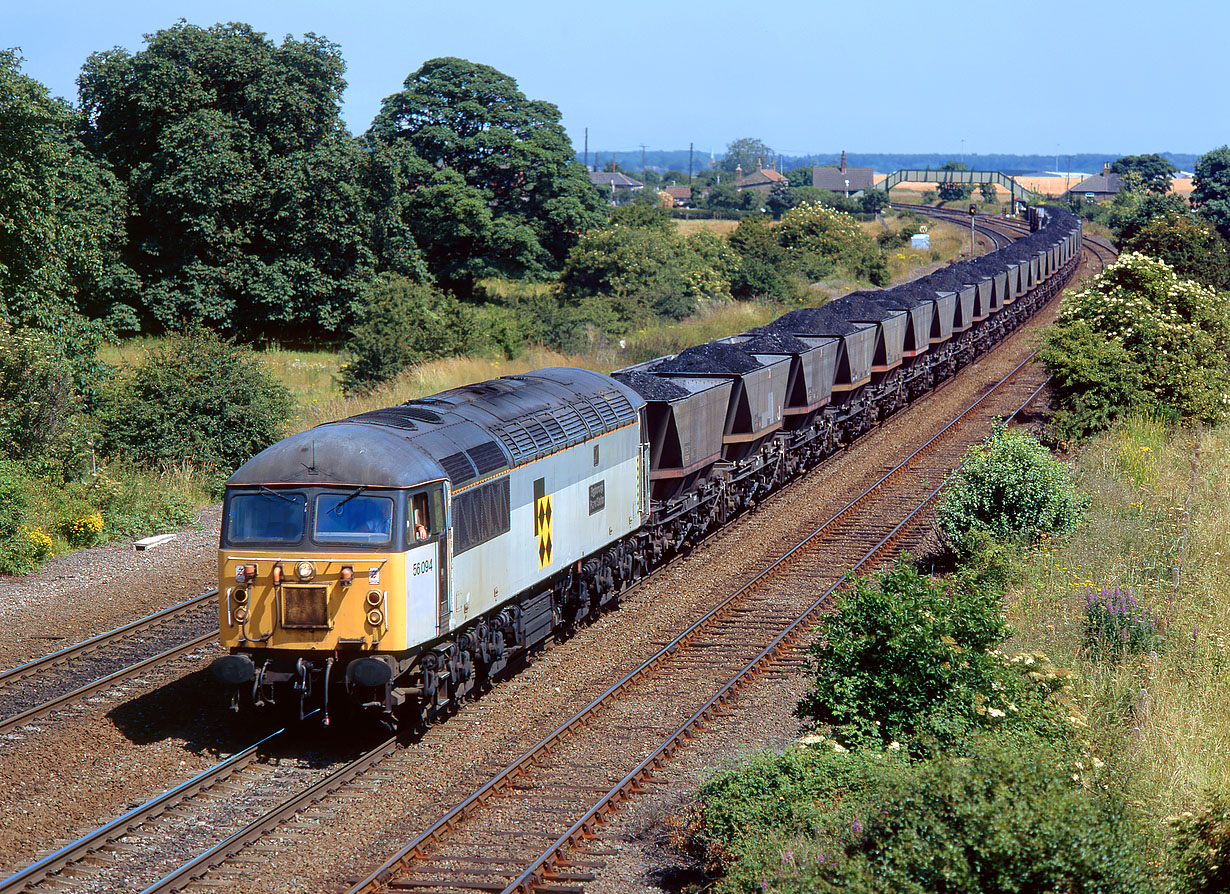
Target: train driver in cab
420,518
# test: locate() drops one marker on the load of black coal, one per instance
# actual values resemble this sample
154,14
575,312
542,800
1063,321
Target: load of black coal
774,343
649,386
953,278
813,321
713,357
909,294
865,307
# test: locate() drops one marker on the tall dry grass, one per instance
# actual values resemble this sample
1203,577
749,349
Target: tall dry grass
1162,720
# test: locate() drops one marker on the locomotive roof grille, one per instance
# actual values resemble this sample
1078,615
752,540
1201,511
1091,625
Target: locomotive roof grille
487,458
574,426
586,416
423,414
394,417
459,468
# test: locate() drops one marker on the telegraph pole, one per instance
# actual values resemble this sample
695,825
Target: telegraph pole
642,162
587,148
691,146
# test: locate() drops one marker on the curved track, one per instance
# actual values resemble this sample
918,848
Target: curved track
508,833
555,792
749,630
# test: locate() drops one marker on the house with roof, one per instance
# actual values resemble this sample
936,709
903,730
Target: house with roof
1100,187
841,179
617,187
763,180
681,196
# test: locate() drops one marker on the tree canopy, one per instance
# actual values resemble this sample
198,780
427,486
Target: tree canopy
1211,189
1153,170
954,192
746,152
246,209
60,209
468,145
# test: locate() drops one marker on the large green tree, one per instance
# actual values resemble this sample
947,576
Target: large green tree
747,153
471,148
1211,189
1154,171
1188,243
247,210
61,212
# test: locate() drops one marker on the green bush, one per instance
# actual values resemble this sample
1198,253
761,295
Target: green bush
198,401
1189,244
904,659
1005,820
1011,816
402,322
1096,380
753,809
1012,487
819,240
1200,855
1140,338
41,415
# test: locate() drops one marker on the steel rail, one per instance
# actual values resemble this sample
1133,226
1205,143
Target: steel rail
37,710
252,832
122,825
530,877
439,829
89,645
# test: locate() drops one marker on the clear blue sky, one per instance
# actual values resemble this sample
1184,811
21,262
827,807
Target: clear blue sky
1042,77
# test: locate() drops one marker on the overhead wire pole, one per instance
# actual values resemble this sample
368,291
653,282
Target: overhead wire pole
691,146
642,162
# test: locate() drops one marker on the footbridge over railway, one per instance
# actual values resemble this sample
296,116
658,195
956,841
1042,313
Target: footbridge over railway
974,178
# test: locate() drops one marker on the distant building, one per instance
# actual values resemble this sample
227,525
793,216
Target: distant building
763,180
617,187
847,181
1100,187
681,196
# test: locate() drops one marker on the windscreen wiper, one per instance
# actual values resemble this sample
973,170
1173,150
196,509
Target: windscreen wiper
274,493
355,493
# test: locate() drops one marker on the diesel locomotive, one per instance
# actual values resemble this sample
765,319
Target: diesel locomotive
396,561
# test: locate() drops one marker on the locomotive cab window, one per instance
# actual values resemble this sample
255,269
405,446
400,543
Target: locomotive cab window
426,518
420,519
353,518
266,517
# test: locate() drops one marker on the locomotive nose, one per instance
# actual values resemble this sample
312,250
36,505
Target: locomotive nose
233,670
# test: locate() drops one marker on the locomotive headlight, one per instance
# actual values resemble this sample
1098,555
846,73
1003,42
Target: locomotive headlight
375,618
374,597
347,575
277,574
240,597
241,614
306,571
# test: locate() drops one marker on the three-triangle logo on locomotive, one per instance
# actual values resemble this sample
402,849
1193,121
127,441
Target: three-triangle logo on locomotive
543,524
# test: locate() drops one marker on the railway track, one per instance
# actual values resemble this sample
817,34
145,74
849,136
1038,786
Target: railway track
766,607
69,675
712,659
509,833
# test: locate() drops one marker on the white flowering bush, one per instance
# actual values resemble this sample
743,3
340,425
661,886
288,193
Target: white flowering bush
1139,337
819,239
